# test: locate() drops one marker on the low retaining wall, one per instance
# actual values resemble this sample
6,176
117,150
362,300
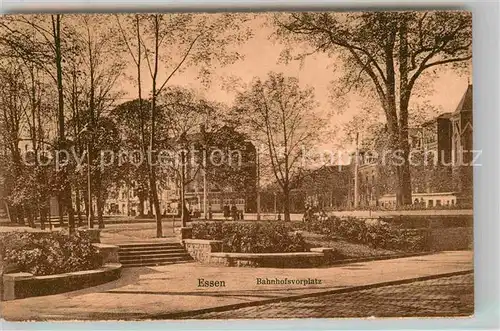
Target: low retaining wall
451,239
269,260
210,252
200,250
430,221
93,234
23,284
108,253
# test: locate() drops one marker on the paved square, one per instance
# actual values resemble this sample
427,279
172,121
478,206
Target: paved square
448,296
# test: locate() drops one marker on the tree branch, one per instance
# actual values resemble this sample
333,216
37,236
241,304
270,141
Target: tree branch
179,64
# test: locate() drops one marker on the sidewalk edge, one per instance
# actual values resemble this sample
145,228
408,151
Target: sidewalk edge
191,313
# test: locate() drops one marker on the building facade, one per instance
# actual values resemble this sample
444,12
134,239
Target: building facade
227,182
444,175
441,170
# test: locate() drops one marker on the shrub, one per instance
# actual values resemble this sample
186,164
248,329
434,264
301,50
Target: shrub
50,253
377,234
268,237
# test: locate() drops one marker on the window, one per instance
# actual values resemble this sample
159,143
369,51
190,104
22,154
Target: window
430,203
438,202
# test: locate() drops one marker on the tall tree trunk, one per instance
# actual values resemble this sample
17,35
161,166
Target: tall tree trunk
286,203
31,217
78,206
141,109
100,209
151,204
43,216
12,212
76,132
66,198
86,204
99,191
8,210
60,209
49,220
404,99
395,130
152,159
20,215
140,207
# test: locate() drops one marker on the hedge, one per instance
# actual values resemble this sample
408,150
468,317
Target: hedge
374,233
261,237
50,253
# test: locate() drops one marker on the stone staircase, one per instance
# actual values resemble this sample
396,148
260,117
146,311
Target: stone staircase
152,254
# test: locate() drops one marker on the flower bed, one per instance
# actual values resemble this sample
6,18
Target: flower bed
374,233
49,253
262,237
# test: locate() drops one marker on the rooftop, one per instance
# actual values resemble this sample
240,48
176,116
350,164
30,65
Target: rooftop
466,103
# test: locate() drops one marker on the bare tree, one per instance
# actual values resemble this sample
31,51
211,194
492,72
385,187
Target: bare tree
42,40
386,52
130,32
102,66
13,108
170,44
281,116
194,125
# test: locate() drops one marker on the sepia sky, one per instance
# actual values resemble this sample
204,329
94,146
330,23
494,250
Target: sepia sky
261,55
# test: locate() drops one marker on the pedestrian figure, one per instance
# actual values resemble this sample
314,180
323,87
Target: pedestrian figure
186,214
323,216
227,211
234,212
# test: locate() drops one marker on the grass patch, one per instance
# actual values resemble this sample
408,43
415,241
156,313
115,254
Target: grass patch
344,249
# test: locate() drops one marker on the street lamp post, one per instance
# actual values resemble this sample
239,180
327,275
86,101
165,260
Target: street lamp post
183,198
275,206
182,142
258,183
90,222
205,193
356,167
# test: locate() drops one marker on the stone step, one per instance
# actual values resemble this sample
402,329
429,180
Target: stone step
146,246
154,256
155,260
153,264
151,251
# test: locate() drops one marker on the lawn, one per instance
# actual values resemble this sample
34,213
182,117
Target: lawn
345,249
119,233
